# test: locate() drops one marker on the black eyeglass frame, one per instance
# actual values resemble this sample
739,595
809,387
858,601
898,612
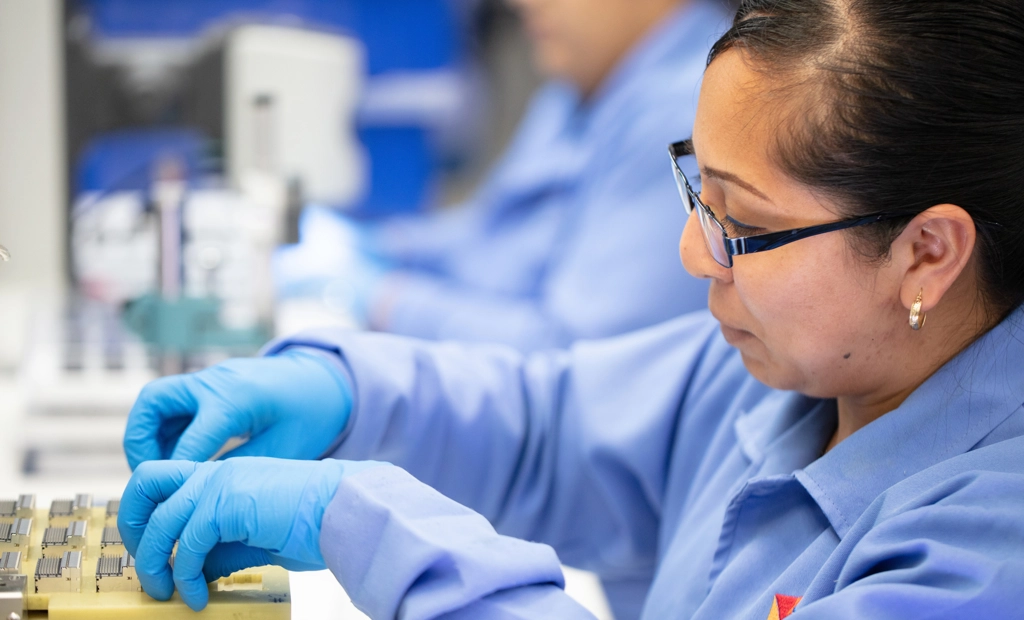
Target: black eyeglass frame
754,243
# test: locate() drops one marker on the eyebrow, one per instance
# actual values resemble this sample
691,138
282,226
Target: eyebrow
729,177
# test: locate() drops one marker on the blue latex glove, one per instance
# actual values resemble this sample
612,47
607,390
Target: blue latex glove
292,405
335,260
225,516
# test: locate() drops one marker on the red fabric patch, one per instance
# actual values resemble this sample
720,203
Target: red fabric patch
786,604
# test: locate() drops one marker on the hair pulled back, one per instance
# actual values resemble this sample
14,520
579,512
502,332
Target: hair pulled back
907,104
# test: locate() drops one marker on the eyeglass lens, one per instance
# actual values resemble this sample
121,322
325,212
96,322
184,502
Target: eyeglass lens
714,234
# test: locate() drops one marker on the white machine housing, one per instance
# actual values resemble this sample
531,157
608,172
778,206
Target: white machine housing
290,101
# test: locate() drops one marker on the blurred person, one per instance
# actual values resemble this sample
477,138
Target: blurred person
840,437
569,235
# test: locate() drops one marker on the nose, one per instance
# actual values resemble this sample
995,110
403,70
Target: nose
693,251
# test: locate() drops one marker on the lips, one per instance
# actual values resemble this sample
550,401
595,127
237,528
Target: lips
734,336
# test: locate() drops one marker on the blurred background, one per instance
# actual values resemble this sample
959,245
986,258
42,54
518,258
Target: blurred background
153,154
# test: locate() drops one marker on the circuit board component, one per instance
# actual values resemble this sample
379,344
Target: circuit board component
10,563
58,540
117,574
62,574
15,536
81,507
111,543
60,512
22,508
47,578
13,595
113,506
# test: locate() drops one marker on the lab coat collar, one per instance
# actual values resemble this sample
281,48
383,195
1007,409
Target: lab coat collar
760,430
954,410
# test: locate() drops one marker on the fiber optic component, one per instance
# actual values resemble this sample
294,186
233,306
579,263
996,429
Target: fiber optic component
117,574
61,511
111,543
112,507
15,536
23,507
58,540
26,507
13,593
62,574
81,508
10,563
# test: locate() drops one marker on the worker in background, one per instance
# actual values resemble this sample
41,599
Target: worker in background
570,235
841,436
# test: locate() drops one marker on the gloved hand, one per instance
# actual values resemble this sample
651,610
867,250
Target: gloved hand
335,260
292,405
226,516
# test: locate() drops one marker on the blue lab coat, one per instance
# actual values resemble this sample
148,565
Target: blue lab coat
574,234
657,451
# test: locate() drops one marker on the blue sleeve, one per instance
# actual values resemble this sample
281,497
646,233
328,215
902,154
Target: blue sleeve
615,267
566,447
402,550
950,551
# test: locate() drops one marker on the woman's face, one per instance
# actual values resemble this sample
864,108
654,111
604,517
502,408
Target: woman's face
581,40
813,315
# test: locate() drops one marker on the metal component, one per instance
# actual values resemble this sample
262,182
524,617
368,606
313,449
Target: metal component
10,583
77,534
14,536
81,508
63,574
72,561
55,537
57,540
117,574
10,563
13,592
108,566
48,568
61,511
26,507
112,507
7,508
111,540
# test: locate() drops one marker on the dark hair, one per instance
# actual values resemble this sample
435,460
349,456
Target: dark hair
911,103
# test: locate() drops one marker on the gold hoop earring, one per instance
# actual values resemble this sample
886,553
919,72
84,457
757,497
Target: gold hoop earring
917,318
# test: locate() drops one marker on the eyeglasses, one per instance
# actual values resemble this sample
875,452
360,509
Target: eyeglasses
720,245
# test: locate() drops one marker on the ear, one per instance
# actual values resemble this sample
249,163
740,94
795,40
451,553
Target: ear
937,245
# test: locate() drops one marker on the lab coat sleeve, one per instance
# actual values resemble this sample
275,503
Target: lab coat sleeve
402,550
615,269
564,447
953,551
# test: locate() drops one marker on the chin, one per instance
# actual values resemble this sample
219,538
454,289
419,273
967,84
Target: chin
768,373
550,61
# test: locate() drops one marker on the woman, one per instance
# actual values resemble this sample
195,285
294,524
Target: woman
843,440
570,235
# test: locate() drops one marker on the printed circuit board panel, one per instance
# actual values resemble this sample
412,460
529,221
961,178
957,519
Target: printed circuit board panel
66,561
